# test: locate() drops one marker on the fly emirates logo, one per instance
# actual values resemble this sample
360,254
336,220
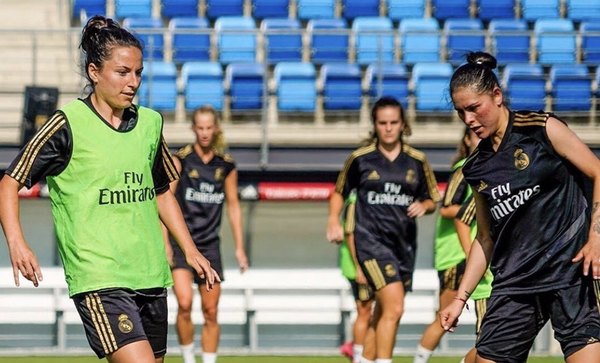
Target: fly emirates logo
506,202
390,196
205,194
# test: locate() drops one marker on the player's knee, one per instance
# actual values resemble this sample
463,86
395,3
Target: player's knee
210,313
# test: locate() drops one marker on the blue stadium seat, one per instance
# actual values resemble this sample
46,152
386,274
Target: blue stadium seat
150,32
88,8
190,39
159,86
431,82
402,9
270,9
236,39
583,10
445,9
571,87
329,40
374,40
245,83
532,10
283,40
218,8
179,8
202,84
496,9
510,40
590,42
133,9
342,88
388,80
315,9
354,8
462,37
295,86
420,40
525,86
555,41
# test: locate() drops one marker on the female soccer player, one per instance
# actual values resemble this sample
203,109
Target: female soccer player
533,224
394,185
108,172
208,178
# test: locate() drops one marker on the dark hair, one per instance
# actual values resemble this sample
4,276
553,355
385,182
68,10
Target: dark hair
98,38
477,74
387,101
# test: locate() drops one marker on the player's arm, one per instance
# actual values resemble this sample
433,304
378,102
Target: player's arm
234,212
569,146
449,211
335,232
165,230
462,223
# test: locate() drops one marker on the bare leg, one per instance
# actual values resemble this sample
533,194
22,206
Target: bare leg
370,345
434,332
184,291
211,330
391,299
590,353
136,352
361,324
471,356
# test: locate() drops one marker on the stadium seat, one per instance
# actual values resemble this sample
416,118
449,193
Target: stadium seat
315,9
159,86
402,9
150,32
532,10
283,40
133,9
463,36
496,9
388,80
374,40
555,41
236,39
270,9
328,40
202,84
445,9
190,39
583,10
342,88
354,8
571,87
420,40
590,42
218,8
510,40
179,8
525,86
85,9
245,84
295,86
430,82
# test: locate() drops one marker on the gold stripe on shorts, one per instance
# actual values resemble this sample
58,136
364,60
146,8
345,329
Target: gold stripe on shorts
101,323
450,278
480,309
597,292
375,273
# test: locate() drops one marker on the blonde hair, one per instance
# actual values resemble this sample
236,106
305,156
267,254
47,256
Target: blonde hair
218,142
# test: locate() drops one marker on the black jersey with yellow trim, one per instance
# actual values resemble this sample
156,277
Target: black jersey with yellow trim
385,188
539,216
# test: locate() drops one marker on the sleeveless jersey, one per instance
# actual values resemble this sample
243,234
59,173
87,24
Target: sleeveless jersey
104,204
201,194
346,261
385,189
538,212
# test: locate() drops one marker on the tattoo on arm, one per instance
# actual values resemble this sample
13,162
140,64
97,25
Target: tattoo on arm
596,218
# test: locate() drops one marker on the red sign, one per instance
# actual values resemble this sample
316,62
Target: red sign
295,191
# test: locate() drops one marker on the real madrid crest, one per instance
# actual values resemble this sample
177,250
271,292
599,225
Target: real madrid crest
125,325
521,159
218,174
410,176
390,271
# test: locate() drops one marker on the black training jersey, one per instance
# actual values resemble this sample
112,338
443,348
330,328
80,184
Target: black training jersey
201,194
49,151
385,189
539,216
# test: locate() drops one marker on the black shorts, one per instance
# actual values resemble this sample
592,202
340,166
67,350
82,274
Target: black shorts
512,322
451,277
361,292
383,272
113,318
210,250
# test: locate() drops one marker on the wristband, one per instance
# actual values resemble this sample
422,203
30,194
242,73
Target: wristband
463,300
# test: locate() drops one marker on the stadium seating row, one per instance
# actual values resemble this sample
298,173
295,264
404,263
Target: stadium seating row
530,10
297,85
370,39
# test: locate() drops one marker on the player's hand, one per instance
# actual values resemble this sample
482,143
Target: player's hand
589,254
242,259
416,209
23,261
449,315
202,266
335,232
360,277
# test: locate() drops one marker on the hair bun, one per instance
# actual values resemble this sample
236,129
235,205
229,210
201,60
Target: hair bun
482,59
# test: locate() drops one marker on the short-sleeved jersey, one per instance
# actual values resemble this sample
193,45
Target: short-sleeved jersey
385,188
201,192
538,212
